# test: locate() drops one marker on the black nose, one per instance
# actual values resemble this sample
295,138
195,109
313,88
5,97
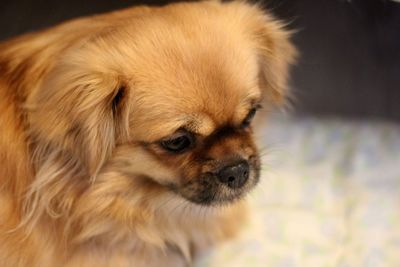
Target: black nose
234,176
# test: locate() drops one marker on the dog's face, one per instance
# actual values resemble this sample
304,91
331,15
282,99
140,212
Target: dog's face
197,121
167,100
191,112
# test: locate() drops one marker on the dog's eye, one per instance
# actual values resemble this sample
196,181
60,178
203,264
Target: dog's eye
246,122
178,143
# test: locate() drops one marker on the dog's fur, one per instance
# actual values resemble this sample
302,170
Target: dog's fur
84,180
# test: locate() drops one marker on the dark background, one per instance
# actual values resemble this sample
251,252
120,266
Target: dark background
350,49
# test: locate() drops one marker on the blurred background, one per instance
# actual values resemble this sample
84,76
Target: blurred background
330,190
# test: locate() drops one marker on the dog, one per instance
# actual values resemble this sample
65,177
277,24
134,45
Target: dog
127,139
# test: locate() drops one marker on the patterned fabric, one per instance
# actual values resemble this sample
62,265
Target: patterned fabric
329,197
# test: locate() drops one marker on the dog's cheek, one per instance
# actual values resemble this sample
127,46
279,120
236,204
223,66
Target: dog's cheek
184,167
135,161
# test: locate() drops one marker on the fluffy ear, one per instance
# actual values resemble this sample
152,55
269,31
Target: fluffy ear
276,55
81,113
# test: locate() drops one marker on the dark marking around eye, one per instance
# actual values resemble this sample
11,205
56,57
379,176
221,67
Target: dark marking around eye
178,142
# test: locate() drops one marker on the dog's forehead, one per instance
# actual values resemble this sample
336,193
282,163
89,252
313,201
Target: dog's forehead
204,95
162,116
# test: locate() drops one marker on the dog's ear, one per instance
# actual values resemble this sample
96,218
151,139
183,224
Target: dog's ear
80,112
276,55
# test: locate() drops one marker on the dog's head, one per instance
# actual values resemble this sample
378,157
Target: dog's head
165,100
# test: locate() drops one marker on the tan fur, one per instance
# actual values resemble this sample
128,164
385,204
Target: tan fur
83,183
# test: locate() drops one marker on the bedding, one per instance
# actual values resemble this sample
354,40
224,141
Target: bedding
329,196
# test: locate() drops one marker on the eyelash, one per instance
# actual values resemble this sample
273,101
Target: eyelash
179,142
247,121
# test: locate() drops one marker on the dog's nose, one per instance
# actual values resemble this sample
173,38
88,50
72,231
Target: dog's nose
234,176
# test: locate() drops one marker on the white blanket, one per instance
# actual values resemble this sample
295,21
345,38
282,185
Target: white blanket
329,197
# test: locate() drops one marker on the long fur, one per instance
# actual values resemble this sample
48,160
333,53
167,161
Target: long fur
68,147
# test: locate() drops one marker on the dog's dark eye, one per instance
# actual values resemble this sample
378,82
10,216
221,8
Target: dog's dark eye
178,143
246,122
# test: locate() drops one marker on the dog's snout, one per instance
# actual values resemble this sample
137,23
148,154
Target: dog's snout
234,176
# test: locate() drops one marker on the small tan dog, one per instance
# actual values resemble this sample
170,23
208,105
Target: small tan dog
123,134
